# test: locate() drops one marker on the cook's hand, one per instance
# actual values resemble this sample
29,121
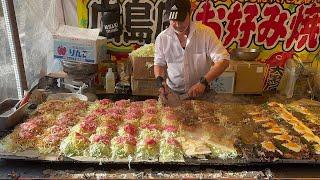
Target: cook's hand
196,90
163,93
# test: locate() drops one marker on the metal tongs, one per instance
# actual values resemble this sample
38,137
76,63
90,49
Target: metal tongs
26,98
77,89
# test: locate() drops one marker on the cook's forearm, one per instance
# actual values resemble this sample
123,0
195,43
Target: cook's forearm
216,70
159,71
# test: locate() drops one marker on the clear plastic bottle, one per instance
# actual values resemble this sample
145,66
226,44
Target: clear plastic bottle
110,81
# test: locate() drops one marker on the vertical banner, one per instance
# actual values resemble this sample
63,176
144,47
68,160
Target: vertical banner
82,12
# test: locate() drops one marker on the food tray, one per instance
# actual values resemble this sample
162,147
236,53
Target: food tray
9,116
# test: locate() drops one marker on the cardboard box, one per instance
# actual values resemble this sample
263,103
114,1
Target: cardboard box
147,87
142,67
224,83
79,44
249,76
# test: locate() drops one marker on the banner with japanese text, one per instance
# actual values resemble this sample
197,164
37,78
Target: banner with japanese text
278,27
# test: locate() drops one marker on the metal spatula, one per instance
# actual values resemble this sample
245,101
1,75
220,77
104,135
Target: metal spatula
175,100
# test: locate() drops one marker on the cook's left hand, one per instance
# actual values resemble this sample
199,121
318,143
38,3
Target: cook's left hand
196,90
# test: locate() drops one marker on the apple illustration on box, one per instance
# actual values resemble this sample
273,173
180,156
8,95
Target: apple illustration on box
62,50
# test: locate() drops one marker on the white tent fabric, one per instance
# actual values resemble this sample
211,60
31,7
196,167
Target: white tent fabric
37,20
70,12
7,79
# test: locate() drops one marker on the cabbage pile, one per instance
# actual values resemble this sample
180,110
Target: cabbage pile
146,50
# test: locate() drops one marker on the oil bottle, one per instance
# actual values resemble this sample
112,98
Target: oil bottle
110,81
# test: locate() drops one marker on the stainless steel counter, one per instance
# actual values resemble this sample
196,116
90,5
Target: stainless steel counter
28,169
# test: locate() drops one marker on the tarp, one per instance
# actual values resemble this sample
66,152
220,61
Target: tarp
37,20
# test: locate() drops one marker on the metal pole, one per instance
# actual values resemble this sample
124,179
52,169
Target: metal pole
14,44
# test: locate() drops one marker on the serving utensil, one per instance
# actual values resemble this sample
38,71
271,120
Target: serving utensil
26,98
175,100
245,54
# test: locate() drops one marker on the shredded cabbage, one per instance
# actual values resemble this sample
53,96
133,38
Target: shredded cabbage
45,149
71,146
8,144
146,133
170,152
75,128
167,135
146,50
121,151
222,152
93,106
99,150
103,130
147,152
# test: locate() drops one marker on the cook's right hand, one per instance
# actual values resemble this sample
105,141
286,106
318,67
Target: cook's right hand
163,93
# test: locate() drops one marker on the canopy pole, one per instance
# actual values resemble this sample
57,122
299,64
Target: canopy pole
15,46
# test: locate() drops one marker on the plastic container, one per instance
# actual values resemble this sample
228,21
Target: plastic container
289,78
110,81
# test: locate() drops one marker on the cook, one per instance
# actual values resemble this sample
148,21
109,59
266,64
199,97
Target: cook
188,55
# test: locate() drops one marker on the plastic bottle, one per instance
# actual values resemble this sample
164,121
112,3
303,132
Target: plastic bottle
110,81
